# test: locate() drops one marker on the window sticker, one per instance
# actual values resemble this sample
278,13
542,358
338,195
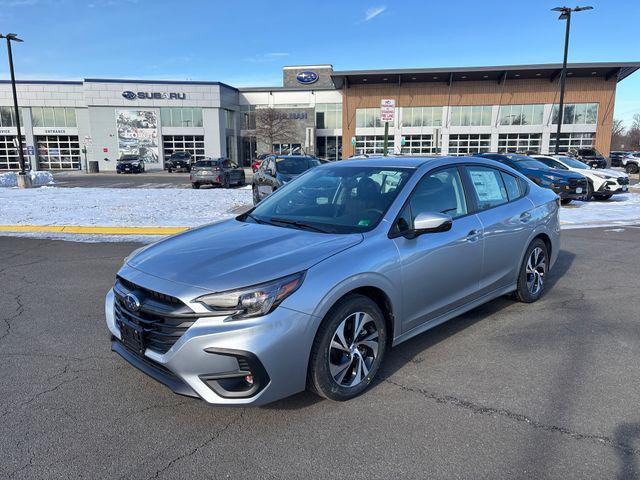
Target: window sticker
364,222
487,186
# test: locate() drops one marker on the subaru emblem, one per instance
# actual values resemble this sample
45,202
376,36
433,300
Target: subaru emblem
129,95
307,77
131,302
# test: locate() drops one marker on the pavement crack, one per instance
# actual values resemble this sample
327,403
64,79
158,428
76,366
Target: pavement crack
8,320
517,417
198,447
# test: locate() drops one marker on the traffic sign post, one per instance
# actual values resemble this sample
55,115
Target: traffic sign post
387,114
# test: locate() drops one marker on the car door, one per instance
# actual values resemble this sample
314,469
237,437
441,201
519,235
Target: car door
264,179
505,214
440,271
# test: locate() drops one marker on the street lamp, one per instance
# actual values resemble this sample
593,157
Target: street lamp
12,37
565,14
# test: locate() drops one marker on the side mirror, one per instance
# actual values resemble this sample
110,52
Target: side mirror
430,222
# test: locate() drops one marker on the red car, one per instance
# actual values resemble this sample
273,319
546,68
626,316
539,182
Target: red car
255,165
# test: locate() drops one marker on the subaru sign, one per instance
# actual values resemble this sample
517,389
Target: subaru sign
129,95
307,77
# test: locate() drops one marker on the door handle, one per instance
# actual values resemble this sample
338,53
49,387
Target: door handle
525,217
473,235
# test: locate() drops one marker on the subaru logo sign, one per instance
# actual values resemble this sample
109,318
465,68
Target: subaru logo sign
131,302
307,77
129,95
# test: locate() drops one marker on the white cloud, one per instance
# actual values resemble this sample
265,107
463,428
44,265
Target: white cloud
373,12
267,57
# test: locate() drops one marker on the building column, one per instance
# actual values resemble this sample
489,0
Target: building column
29,139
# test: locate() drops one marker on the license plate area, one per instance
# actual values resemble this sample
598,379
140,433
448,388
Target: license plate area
132,336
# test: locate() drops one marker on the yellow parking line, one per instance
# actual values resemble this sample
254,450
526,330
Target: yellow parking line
94,230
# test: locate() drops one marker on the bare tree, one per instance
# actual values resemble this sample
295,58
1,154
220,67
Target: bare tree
618,128
618,136
274,126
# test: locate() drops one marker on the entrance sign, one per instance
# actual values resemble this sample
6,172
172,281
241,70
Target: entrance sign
387,110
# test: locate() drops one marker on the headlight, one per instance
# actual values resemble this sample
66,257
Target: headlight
553,178
253,301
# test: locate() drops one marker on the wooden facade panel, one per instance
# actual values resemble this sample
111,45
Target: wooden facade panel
510,92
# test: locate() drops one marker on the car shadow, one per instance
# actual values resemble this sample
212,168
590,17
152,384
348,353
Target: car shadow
626,434
409,351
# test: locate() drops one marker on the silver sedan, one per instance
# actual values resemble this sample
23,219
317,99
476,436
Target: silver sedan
310,288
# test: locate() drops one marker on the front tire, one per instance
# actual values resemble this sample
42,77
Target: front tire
565,201
631,168
195,185
589,196
348,349
533,272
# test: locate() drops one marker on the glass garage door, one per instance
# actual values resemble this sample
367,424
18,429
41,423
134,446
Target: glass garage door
9,153
194,144
58,152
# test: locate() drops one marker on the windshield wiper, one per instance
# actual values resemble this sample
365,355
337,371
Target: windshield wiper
295,223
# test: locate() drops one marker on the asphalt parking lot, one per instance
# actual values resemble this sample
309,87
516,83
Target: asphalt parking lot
546,390
131,180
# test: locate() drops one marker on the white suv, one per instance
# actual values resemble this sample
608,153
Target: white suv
602,183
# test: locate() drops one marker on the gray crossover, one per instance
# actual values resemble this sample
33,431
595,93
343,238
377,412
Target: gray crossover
312,286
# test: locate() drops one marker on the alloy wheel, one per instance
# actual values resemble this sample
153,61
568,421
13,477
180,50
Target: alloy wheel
536,270
353,349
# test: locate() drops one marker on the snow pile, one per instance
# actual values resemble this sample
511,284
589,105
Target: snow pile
10,179
122,207
623,209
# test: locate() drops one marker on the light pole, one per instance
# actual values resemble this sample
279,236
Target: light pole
12,37
565,14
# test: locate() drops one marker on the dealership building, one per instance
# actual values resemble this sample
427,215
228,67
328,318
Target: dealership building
331,114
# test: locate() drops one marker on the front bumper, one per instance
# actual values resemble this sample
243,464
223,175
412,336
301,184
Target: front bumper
614,186
566,191
275,348
136,169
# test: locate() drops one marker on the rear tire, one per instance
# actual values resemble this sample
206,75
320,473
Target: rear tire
195,185
169,170
631,168
533,272
565,201
225,182
242,181
343,363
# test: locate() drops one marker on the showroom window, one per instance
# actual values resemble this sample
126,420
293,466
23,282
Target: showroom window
329,115
471,116
422,116
329,148
576,114
572,141
181,117
419,145
9,153
469,144
228,119
53,117
7,117
194,144
248,116
521,114
519,142
369,117
287,148
372,144
58,152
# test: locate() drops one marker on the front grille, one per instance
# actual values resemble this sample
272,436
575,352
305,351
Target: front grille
575,182
623,180
161,319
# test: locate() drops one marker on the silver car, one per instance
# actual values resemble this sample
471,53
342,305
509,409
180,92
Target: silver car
310,288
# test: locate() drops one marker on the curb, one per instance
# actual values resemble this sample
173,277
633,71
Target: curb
94,230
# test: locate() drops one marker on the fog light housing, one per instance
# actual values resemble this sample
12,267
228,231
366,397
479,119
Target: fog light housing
246,381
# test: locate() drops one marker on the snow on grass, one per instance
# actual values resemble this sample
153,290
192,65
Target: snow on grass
122,207
623,209
10,179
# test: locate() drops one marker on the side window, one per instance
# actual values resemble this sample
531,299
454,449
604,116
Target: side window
488,187
227,164
512,185
439,192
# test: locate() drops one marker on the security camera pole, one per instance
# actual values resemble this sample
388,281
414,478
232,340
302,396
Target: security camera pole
565,14
22,177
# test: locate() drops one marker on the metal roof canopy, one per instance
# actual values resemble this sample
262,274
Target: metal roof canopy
549,71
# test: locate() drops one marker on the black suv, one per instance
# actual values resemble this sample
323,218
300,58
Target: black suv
179,161
276,170
130,164
590,156
568,185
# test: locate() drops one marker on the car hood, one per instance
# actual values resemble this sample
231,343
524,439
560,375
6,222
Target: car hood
558,173
234,254
608,171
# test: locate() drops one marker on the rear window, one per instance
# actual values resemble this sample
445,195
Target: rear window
295,165
206,163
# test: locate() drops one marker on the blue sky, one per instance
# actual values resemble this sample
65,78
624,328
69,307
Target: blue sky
247,43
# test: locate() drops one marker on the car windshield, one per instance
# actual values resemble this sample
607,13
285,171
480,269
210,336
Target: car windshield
573,163
333,199
180,155
206,163
126,158
295,165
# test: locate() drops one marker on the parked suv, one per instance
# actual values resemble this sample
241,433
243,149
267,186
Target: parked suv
277,170
179,161
130,164
311,287
601,183
221,171
616,158
568,185
631,162
590,156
